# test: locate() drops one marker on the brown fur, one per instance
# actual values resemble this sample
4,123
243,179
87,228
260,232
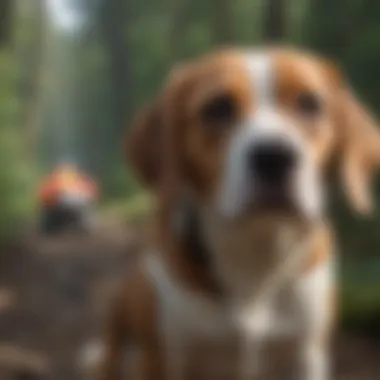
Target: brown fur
132,320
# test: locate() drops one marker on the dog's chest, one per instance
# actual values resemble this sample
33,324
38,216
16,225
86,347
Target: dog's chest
184,314
206,336
243,258
187,316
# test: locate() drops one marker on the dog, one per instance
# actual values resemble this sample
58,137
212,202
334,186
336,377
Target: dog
236,150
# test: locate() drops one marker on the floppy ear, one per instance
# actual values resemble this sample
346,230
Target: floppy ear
150,147
143,147
360,149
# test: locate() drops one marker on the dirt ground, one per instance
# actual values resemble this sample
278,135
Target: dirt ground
53,296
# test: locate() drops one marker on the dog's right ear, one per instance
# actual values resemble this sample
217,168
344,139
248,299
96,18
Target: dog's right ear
149,145
144,145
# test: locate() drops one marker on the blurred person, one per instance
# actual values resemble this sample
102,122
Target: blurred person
66,198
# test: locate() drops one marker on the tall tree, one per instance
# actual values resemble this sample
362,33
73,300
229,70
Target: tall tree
223,21
179,21
31,116
6,12
114,18
340,21
274,28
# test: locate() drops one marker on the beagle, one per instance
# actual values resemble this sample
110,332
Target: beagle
236,150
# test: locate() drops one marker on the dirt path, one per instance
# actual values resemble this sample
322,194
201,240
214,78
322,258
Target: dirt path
52,299
54,293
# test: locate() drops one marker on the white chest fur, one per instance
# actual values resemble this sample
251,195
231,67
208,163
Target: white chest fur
188,320
184,312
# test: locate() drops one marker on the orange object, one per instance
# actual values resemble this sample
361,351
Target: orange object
63,180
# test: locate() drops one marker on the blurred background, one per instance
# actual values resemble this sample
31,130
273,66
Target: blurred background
72,73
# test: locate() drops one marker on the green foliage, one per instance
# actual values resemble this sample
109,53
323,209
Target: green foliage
15,174
120,184
132,210
360,295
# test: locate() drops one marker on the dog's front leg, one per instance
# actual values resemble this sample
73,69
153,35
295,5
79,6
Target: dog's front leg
176,360
176,352
250,358
150,366
314,296
313,361
254,328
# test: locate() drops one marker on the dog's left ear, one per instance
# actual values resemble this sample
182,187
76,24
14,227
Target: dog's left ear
359,147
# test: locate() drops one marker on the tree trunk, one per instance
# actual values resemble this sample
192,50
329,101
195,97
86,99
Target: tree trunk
332,35
114,17
223,22
179,21
31,119
274,29
6,12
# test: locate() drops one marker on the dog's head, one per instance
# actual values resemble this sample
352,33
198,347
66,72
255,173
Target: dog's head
255,131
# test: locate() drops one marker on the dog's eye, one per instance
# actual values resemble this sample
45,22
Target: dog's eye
309,104
222,109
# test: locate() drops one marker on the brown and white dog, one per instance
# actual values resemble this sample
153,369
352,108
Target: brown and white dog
236,149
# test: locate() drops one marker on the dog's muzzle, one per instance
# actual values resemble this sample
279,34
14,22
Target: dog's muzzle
272,163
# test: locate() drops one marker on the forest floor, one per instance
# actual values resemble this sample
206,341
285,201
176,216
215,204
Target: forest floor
53,294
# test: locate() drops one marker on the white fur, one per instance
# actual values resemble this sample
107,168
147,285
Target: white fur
260,67
238,186
186,317
184,308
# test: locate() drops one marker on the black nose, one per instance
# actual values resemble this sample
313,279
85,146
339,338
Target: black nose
272,161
